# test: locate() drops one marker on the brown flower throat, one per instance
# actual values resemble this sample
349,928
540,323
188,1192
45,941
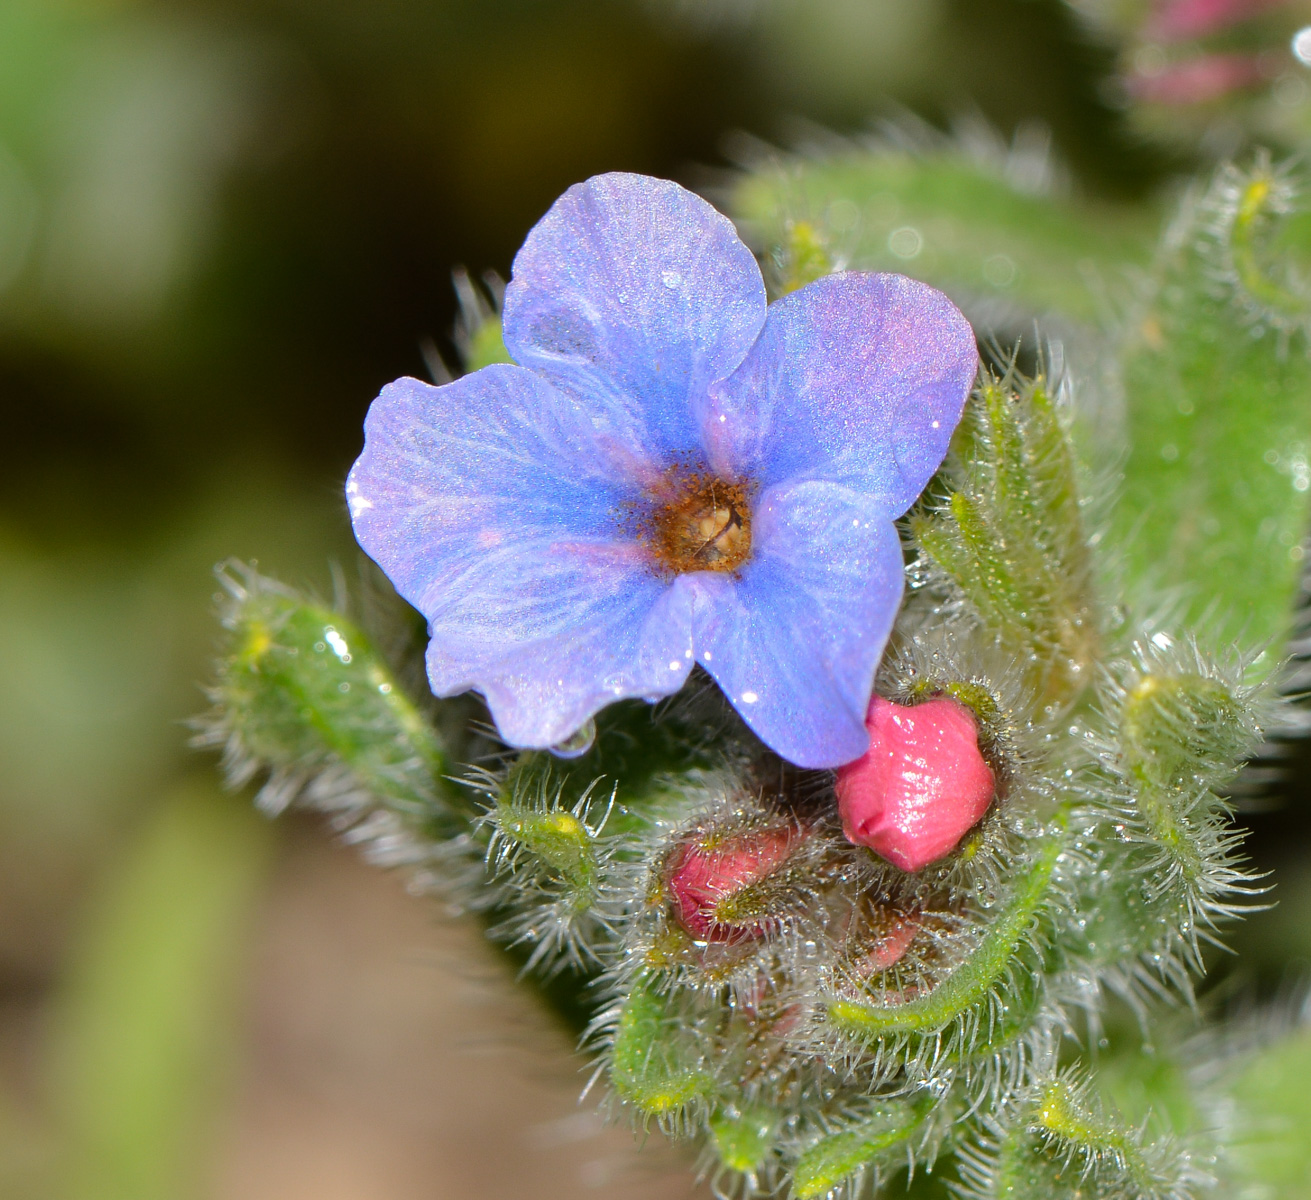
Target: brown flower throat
700,523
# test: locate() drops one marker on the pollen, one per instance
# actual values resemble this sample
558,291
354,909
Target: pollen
698,522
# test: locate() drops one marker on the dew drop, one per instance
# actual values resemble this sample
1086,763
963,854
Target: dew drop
577,743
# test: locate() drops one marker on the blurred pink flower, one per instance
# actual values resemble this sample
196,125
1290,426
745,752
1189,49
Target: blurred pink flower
1197,80
1179,20
920,787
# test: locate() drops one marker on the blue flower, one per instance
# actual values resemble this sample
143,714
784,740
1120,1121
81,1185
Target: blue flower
674,473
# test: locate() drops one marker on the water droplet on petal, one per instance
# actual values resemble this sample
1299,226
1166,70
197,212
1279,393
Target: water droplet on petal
577,743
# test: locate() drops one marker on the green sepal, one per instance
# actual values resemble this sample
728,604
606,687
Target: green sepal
1181,731
803,257
1177,734
486,345
1184,724
835,1157
653,1064
559,840
744,1137
1065,1145
643,755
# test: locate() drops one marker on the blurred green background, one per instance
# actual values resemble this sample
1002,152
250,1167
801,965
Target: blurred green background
224,224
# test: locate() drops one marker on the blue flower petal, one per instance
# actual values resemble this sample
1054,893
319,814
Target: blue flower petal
795,639
857,378
495,507
636,295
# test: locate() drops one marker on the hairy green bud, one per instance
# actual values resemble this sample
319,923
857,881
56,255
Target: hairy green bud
303,697
1009,535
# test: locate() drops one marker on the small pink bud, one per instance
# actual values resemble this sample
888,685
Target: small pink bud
921,785
892,946
706,875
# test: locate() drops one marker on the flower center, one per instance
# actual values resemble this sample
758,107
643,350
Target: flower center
700,523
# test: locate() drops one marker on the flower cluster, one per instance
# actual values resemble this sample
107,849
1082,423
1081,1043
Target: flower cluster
859,907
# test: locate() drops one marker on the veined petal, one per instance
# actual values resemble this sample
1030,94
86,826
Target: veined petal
858,378
795,639
635,295
495,507
550,639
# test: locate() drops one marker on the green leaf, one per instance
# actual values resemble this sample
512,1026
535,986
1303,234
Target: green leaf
1217,486
947,220
1270,1151
145,1031
652,1066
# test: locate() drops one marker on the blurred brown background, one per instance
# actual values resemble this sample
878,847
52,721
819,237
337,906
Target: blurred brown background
224,224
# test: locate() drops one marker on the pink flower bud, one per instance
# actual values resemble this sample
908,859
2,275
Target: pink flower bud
707,875
921,785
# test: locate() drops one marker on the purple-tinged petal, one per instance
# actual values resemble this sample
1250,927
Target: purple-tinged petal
493,505
549,642
795,639
635,294
857,378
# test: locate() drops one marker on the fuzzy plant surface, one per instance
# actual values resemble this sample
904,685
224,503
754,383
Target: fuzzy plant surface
949,950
